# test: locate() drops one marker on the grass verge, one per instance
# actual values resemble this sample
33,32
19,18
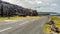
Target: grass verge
56,20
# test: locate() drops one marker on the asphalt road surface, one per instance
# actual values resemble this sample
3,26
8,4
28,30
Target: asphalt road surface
23,26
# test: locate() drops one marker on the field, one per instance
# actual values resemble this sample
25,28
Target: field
56,20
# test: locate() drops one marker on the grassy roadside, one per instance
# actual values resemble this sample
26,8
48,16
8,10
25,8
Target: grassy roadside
15,17
10,18
46,28
56,20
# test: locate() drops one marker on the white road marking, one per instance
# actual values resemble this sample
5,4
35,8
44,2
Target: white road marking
12,21
24,23
33,20
5,29
9,20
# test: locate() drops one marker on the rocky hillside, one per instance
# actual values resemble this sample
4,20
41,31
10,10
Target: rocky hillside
7,9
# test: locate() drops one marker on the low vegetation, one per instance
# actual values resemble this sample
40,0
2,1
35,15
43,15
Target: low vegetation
16,17
56,20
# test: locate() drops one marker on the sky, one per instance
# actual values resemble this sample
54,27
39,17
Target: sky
39,5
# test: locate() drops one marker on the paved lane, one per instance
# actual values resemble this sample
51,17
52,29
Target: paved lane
24,26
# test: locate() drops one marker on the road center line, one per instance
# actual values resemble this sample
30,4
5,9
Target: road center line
5,29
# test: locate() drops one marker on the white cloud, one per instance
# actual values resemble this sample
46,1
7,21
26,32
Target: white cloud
34,2
38,2
54,5
48,5
10,1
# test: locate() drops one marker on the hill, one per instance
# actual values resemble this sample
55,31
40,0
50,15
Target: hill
8,9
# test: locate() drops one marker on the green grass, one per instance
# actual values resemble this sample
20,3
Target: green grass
11,18
45,27
15,17
56,18
57,21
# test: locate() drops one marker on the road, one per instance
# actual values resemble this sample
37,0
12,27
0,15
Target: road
23,26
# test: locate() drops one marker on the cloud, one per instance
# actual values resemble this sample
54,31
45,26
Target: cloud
54,5
39,5
38,2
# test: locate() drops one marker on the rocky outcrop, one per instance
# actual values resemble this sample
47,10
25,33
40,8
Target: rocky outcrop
7,9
